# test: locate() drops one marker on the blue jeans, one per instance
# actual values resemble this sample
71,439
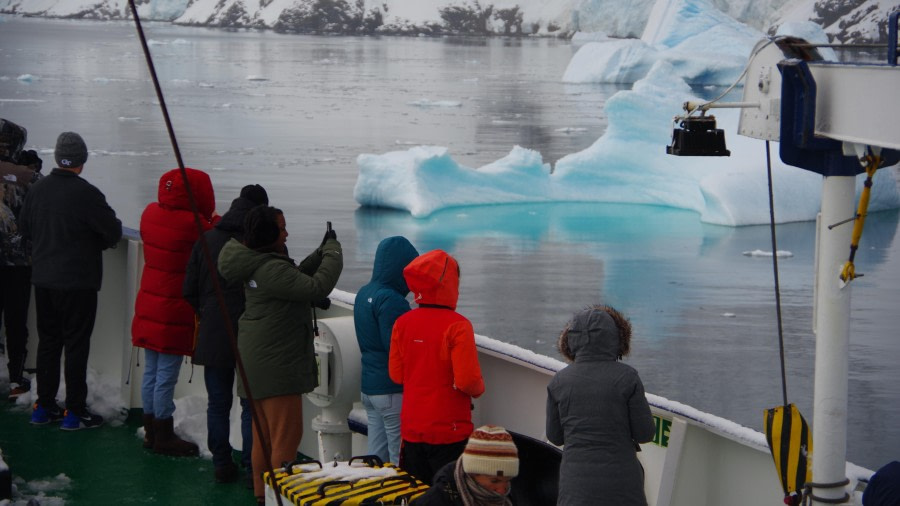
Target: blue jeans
158,388
220,392
383,412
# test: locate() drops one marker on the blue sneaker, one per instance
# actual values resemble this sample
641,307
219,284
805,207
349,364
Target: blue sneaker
41,415
83,420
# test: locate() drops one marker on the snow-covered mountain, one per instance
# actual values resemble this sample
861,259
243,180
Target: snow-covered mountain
842,20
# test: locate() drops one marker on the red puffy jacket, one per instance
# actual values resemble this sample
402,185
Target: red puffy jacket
163,320
433,355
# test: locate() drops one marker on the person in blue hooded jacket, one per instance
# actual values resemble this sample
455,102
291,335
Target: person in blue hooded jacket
378,304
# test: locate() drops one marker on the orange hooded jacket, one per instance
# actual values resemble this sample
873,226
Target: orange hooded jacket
433,355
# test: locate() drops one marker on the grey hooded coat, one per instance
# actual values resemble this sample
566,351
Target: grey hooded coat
596,407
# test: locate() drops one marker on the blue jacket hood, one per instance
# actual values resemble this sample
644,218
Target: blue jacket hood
393,254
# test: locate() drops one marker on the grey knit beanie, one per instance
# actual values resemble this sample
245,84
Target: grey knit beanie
70,150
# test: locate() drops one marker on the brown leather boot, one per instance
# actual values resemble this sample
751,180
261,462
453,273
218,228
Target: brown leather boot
148,431
166,442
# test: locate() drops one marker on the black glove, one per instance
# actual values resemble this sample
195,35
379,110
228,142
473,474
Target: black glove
328,235
322,303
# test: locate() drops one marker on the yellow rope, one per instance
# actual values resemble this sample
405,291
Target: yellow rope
848,272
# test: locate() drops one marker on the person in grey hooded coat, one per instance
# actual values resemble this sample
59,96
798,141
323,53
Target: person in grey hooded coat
596,407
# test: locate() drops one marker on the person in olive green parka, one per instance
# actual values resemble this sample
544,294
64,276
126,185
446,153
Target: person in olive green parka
275,333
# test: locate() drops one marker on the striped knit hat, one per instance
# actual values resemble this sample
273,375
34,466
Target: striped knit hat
491,451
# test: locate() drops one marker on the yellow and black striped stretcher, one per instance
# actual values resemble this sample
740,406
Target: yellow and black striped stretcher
362,480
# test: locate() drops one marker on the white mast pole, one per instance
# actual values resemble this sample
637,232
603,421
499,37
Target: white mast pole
832,328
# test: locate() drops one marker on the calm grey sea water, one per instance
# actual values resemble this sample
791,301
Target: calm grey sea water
293,112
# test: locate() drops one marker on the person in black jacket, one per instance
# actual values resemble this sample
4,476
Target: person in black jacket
884,486
69,224
481,476
213,348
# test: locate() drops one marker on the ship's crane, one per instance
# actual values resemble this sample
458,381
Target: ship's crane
836,119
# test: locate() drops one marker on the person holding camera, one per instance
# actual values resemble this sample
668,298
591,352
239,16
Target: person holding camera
20,170
275,333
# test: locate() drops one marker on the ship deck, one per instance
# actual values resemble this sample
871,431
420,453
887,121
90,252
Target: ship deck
107,465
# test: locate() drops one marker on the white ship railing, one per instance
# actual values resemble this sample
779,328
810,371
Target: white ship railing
696,458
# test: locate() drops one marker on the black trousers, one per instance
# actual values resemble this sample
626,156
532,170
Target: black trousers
15,296
65,321
422,460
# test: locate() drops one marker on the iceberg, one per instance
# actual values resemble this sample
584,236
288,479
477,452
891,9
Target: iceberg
628,164
686,41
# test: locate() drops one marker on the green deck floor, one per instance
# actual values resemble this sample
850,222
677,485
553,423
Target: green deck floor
107,465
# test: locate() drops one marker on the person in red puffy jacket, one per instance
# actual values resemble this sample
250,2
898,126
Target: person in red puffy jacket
433,356
163,321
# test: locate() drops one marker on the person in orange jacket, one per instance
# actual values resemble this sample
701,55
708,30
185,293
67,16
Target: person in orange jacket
433,356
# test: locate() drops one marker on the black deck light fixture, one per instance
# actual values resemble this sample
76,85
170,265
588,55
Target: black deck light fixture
697,136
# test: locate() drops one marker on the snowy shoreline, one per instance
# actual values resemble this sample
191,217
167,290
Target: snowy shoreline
860,22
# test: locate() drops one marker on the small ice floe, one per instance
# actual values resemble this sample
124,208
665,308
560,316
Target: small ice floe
761,253
102,152
729,315
406,143
502,122
107,80
154,42
180,82
585,37
435,103
181,42
569,130
206,85
254,77
27,78
129,118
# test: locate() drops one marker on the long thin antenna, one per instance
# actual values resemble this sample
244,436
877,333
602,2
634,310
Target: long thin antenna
775,271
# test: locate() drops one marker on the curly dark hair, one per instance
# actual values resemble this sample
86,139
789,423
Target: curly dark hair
261,228
621,322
